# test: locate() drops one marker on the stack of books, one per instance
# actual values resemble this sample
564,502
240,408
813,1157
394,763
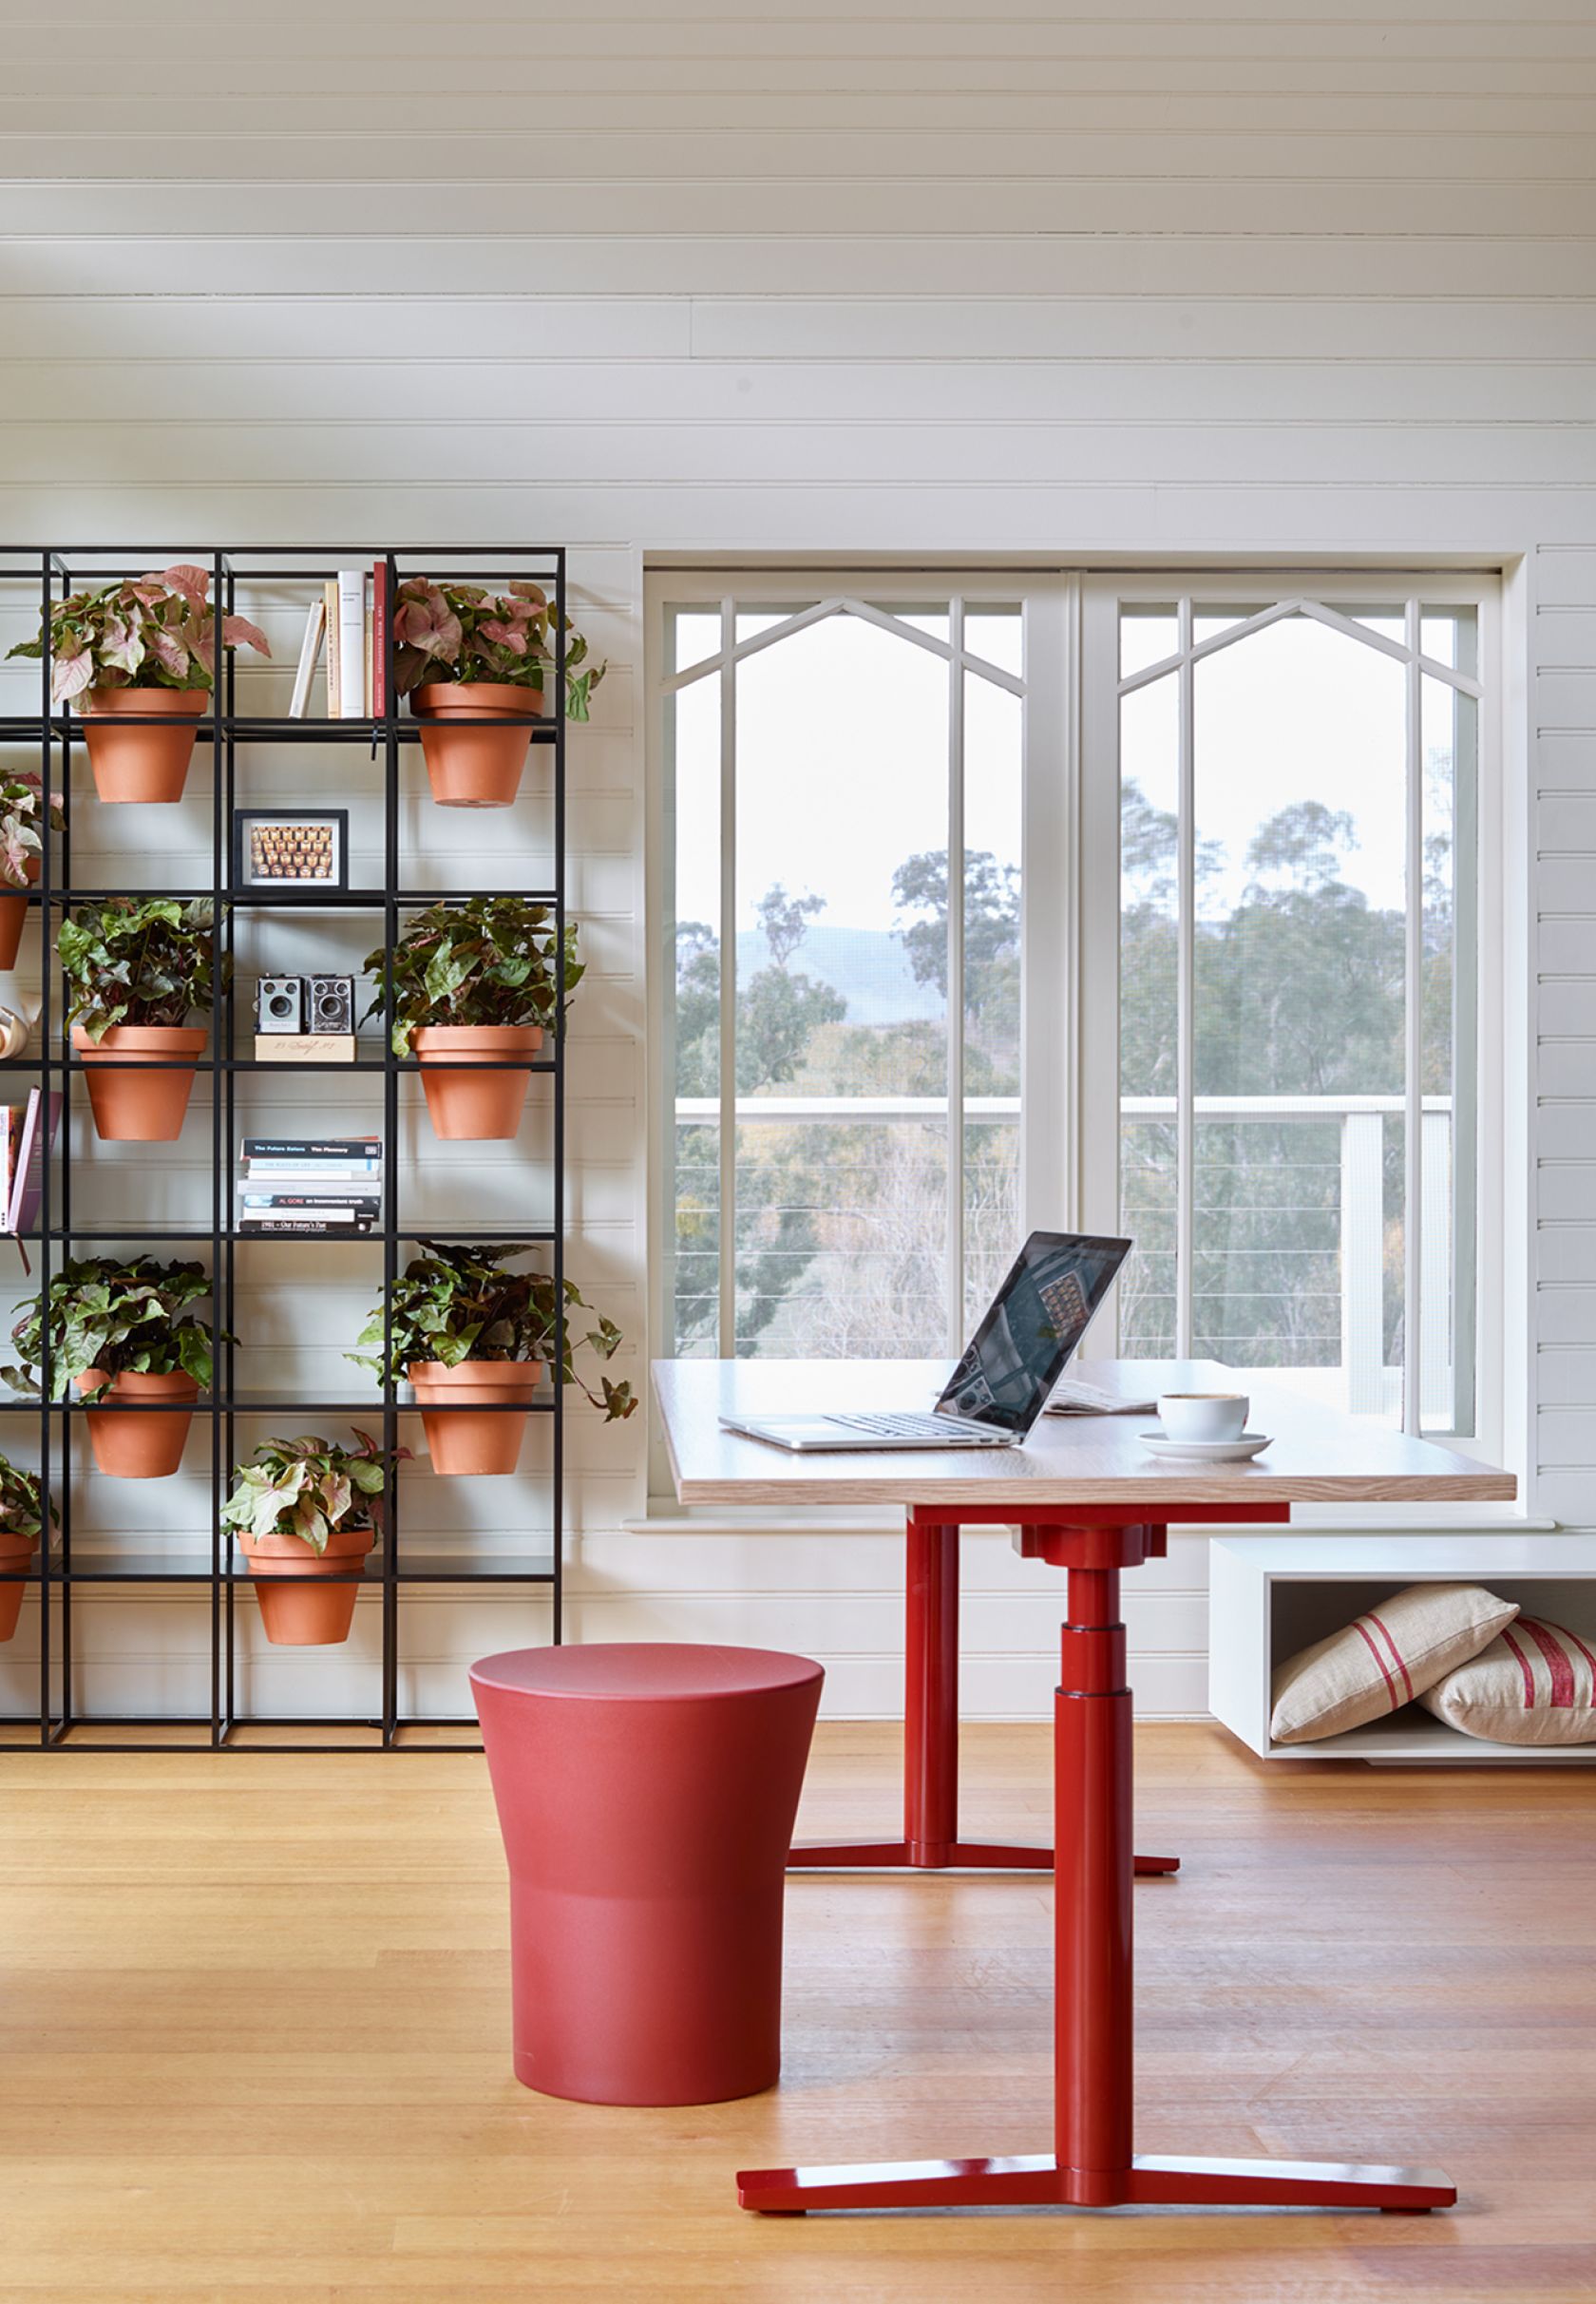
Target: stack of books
298,1184
352,619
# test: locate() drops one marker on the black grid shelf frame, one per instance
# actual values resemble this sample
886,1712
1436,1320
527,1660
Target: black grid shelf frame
54,735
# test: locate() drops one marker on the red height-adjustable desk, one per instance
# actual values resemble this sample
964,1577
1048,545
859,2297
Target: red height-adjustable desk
1089,1499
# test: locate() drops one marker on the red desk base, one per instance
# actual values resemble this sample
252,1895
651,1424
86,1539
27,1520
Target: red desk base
1093,2162
931,1841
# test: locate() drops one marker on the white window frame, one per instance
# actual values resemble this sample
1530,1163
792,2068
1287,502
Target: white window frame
1329,596
1048,605
1070,947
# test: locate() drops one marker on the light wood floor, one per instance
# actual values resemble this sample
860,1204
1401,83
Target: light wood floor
254,2043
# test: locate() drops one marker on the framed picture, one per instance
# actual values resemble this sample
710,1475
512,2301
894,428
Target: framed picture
291,848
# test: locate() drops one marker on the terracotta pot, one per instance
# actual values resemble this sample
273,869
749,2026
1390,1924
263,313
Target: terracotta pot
128,1441
469,1104
16,1553
296,1610
14,916
472,759
489,1440
140,1106
133,763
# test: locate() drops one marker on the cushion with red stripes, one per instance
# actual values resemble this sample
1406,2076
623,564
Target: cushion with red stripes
1534,1684
1384,1659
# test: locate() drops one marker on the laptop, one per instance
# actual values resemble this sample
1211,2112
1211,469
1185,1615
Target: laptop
1010,1366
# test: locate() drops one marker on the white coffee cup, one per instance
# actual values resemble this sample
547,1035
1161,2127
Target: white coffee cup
1204,1416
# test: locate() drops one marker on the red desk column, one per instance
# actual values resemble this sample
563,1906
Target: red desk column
931,1841
1093,1869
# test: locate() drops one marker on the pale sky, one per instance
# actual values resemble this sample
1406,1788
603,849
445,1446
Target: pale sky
843,756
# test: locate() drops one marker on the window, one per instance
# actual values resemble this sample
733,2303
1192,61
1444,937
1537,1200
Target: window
1298,790
916,996
842,844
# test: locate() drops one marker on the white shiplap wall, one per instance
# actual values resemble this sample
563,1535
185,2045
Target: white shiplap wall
1281,276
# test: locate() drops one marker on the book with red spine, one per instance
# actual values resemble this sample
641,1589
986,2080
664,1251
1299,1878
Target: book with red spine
379,639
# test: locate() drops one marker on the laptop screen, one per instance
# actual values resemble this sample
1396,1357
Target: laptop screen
1037,1317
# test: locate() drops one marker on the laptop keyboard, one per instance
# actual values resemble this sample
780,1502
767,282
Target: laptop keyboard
900,1426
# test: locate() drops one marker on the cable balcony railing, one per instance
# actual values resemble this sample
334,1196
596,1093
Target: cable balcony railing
1317,1303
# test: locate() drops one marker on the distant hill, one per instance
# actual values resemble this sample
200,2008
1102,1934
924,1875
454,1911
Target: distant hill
868,966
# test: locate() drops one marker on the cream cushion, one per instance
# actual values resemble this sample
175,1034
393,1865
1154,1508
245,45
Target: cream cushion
1534,1684
1383,1659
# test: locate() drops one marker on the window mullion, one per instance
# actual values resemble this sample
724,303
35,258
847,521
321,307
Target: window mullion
727,1135
1412,1067
1185,1051
955,980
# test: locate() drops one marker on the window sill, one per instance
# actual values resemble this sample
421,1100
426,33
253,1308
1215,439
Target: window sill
664,1517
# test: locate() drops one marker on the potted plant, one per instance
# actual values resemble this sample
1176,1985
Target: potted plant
470,985
474,662
136,968
308,1509
22,1517
473,1339
22,848
142,656
119,1331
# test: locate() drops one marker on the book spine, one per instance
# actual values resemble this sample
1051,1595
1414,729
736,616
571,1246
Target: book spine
341,1195
320,1172
294,1206
310,1148
298,1224
28,1156
335,651
352,643
379,639
331,1184
343,1189
7,1161
316,625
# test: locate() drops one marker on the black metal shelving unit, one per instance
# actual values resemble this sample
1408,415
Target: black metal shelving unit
53,737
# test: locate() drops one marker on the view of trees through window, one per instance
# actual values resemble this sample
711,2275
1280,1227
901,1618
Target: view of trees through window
841,1225
850,1037
843,996
1300,799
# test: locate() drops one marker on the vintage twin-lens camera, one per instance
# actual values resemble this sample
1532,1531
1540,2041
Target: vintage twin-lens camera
279,1003
330,1003
301,1004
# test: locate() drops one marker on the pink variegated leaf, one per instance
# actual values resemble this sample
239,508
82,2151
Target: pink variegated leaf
121,646
305,1521
502,636
534,593
236,629
70,675
194,584
431,626
170,654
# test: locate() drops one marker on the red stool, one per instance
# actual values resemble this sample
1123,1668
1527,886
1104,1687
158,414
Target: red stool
647,1795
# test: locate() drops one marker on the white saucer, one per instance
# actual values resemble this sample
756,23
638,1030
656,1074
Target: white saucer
1209,1451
